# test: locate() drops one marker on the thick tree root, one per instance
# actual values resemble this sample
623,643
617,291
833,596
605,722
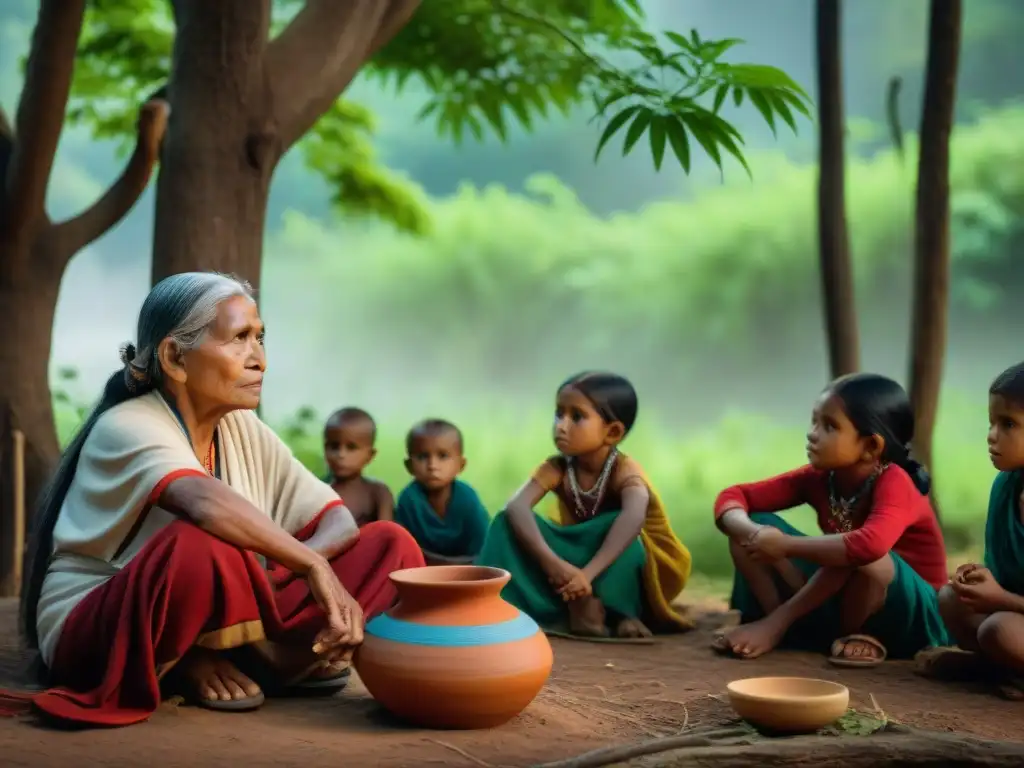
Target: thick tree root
895,747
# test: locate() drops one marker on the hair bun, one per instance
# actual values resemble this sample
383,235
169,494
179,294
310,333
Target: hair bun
128,353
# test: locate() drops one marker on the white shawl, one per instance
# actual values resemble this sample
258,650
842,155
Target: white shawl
134,447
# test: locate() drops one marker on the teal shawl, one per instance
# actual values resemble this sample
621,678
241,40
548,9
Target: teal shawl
1004,533
460,532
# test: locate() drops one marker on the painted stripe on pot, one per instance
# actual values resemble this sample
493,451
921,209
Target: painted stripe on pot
399,631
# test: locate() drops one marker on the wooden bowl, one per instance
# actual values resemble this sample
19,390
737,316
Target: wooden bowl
789,704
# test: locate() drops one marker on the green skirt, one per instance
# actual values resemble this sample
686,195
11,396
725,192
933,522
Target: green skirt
619,588
908,622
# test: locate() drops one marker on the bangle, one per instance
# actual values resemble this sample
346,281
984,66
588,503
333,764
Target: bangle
754,535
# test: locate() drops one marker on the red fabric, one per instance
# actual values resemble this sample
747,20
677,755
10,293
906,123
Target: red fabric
901,520
170,477
186,582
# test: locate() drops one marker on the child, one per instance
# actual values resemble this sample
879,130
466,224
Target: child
349,437
442,513
983,605
872,578
614,550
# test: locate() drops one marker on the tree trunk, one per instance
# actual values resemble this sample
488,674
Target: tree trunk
220,149
833,239
34,251
27,308
931,235
238,102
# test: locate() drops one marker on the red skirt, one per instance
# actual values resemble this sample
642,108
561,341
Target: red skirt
188,588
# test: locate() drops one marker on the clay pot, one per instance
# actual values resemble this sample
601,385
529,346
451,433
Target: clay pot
789,704
452,653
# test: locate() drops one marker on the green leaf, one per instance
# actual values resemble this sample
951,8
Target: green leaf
657,137
720,94
492,113
636,129
706,139
737,96
713,51
680,41
780,106
764,107
613,127
680,142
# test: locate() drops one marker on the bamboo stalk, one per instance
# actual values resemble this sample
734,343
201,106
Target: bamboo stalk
18,461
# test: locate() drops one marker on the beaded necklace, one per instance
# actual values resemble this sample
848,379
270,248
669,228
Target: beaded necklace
841,508
588,502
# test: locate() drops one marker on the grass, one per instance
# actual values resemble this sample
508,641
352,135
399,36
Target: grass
688,470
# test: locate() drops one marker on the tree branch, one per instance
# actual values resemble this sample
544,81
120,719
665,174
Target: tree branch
6,130
76,233
40,117
319,53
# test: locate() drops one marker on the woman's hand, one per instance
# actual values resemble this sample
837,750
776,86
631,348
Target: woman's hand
978,590
766,545
344,630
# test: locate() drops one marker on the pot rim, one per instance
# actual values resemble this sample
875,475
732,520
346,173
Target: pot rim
414,576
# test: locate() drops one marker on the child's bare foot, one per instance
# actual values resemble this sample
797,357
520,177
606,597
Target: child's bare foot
632,628
214,679
748,641
587,617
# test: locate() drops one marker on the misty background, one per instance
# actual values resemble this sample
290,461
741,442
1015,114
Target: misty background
703,289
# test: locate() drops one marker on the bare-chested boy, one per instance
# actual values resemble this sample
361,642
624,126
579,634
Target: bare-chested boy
349,438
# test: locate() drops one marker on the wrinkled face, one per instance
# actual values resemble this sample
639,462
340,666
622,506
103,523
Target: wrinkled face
1005,434
579,428
833,442
436,460
348,447
226,370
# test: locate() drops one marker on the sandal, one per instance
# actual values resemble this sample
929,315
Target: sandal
948,663
1012,688
247,704
720,644
838,658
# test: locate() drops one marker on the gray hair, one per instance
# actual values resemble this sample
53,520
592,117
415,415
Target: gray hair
181,307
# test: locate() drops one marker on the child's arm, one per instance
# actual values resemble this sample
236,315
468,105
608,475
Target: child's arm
385,502
890,516
519,511
627,526
734,505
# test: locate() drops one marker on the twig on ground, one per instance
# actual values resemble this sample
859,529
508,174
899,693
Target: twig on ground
625,752
464,753
686,720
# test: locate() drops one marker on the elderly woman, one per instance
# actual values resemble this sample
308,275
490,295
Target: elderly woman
145,552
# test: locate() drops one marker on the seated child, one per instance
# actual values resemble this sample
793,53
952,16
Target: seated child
872,578
441,512
349,437
983,605
613,560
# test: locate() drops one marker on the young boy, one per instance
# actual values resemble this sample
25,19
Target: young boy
349,437
442,513
983,604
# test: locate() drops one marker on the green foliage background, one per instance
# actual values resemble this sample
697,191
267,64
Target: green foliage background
509,284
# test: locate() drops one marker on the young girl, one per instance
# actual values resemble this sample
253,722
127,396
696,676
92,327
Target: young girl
872,578
613,561
983,605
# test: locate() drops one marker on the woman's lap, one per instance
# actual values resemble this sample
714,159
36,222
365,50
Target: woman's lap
908,622
186,588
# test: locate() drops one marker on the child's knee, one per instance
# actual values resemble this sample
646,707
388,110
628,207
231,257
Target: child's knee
1002,634
950,607
878,574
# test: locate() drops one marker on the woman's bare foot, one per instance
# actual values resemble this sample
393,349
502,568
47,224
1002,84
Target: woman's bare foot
587,617
748,641
214,678
632,628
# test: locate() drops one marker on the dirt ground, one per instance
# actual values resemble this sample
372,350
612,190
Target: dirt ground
598,694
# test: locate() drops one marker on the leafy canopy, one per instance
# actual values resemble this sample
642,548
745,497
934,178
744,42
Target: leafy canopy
484,65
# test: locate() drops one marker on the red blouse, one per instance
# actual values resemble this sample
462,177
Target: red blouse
901,520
